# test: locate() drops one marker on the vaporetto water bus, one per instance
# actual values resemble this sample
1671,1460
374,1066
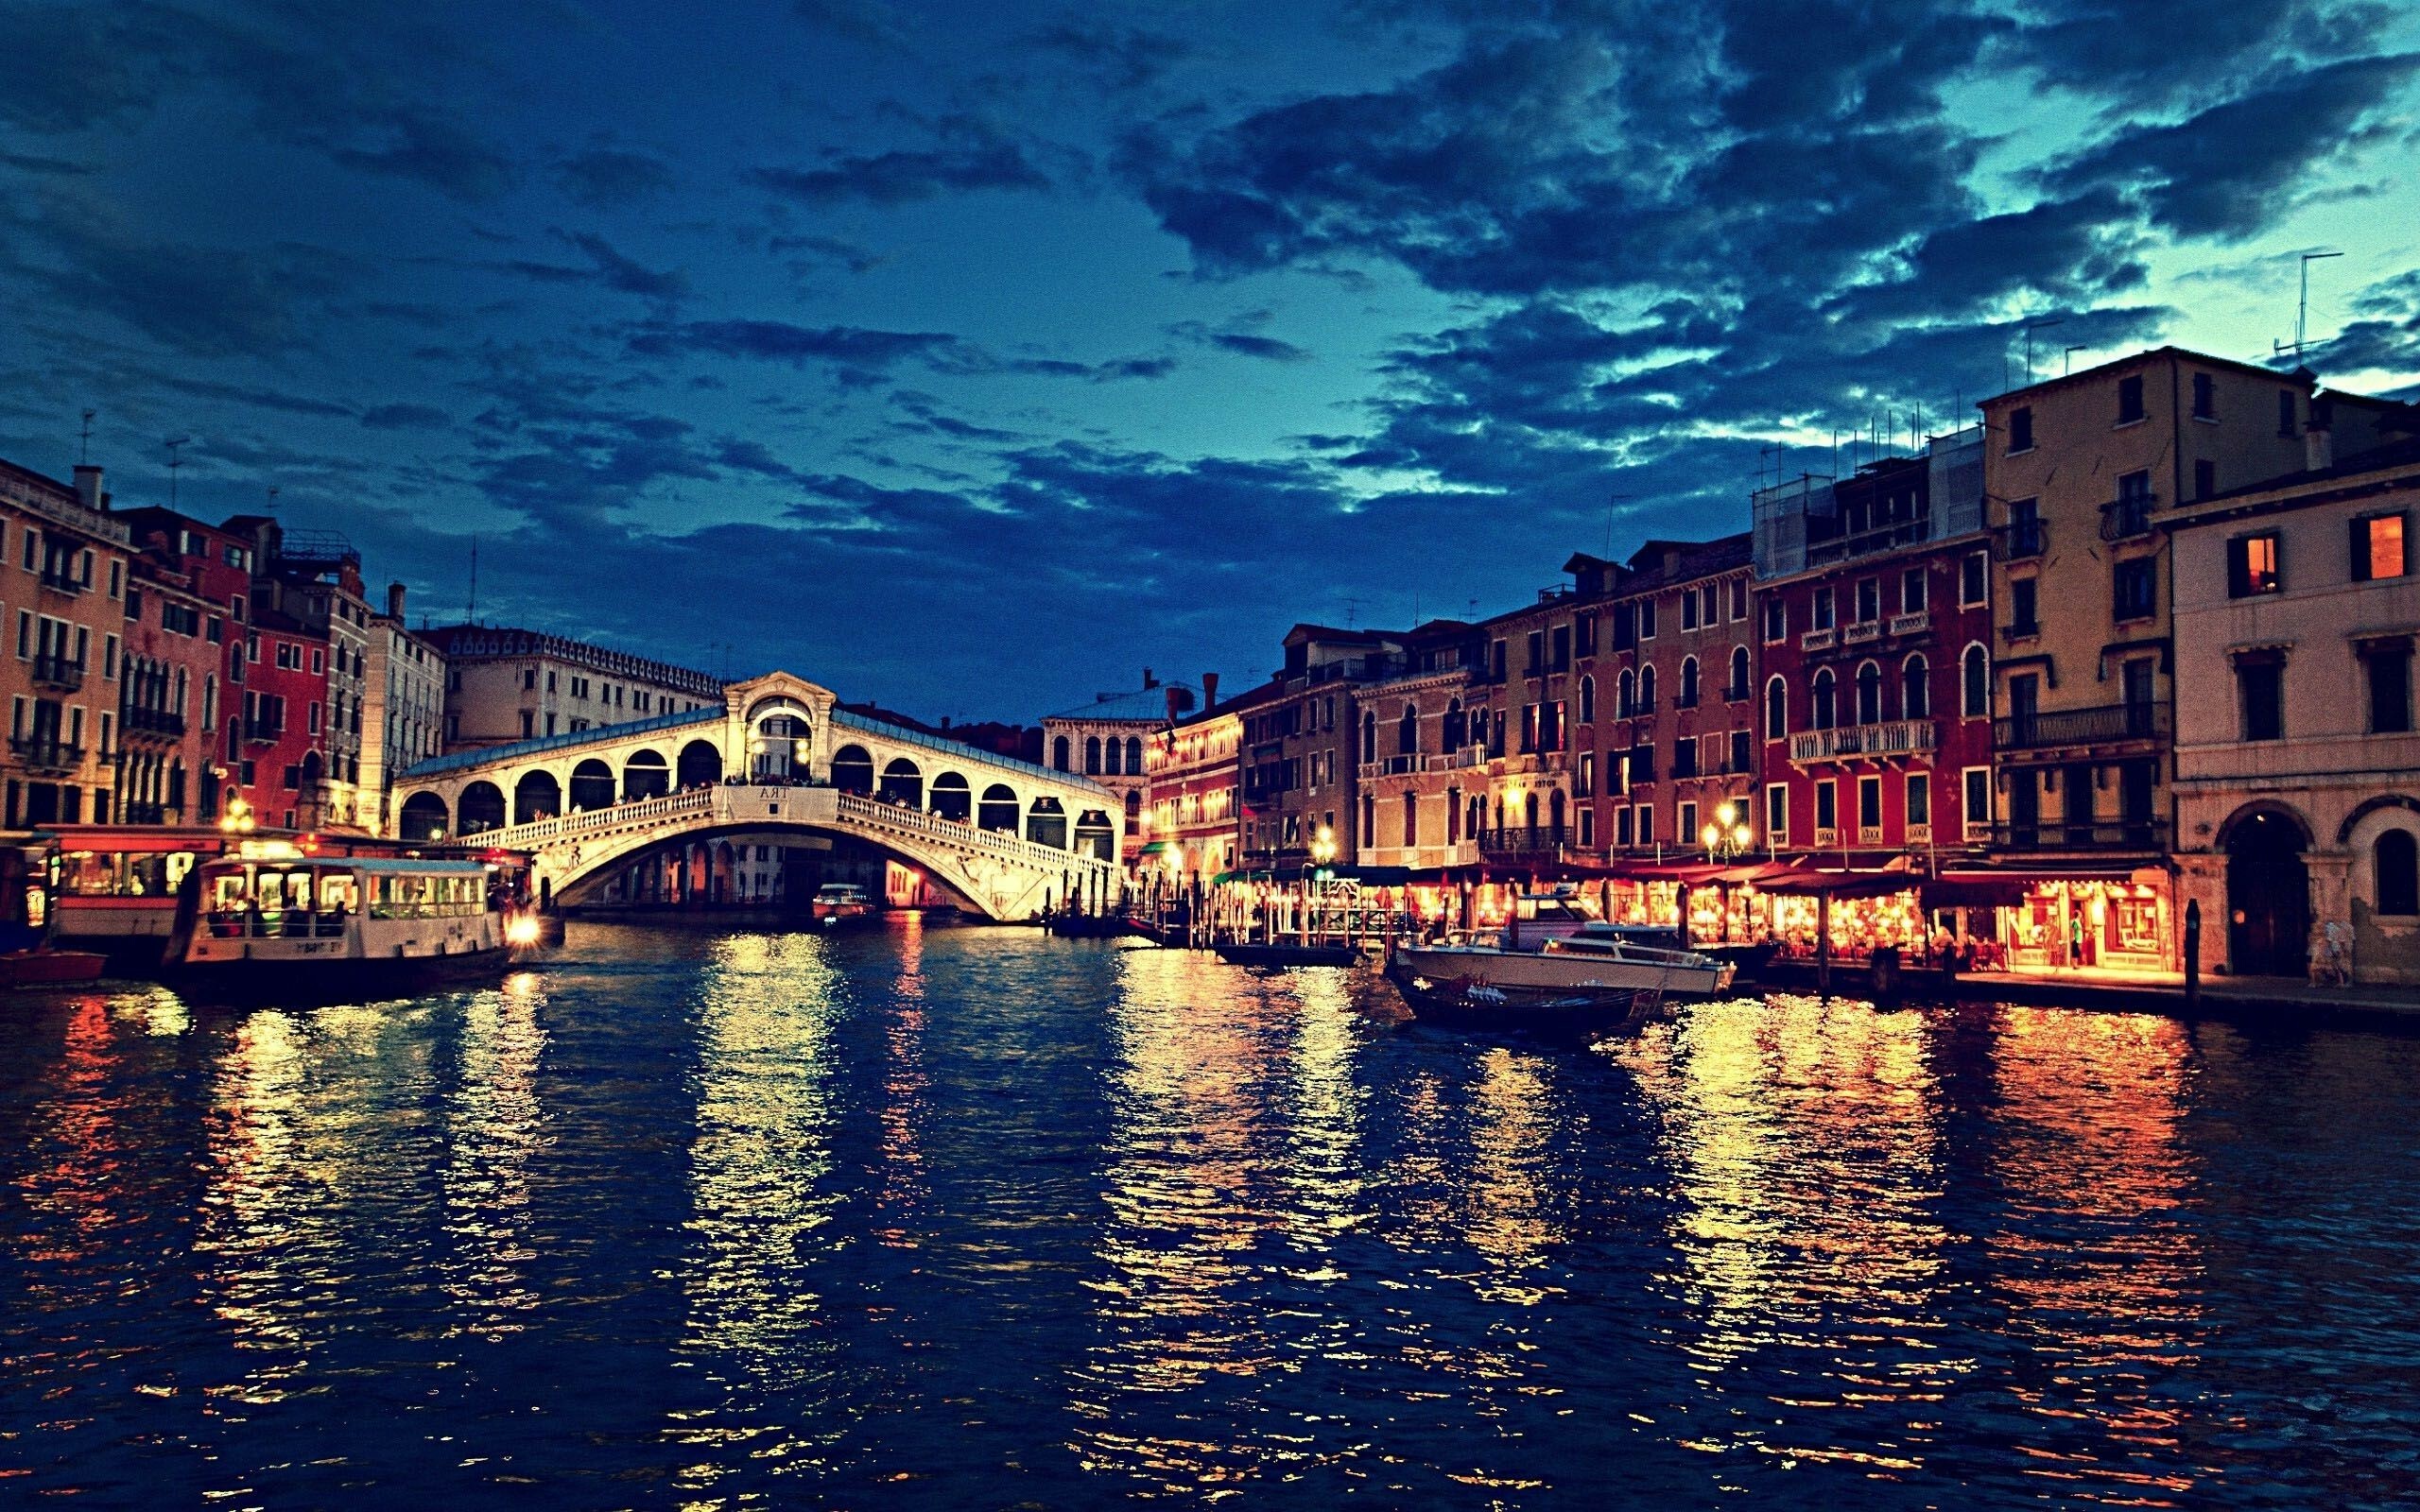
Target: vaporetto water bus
270,922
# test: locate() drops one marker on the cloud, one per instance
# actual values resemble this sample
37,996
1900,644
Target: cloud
1120,58
972,157
409,144
781,341
406,416
609,178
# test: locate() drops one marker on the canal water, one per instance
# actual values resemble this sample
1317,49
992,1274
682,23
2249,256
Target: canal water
972,1218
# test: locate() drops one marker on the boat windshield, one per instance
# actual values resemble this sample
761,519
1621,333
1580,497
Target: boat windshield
123,874
280,901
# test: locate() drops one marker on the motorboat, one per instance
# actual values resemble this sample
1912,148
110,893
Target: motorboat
1549,949
280,926
1282,953
840,905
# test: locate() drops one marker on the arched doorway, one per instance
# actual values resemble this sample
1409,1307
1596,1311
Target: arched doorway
481,807
1096,837
2268,896
951,798
1046,824
902,783
999,808
701,764
592,785
852,769
646,776
424,818
536,796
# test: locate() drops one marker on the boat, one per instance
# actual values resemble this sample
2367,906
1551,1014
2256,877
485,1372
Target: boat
1592,1012
271,925
1551,950
1286,952
44,967
840,905
1088,926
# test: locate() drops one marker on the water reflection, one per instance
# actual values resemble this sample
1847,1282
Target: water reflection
494,1129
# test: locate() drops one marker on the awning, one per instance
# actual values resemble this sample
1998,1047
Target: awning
1156,847
1811,884
1974,890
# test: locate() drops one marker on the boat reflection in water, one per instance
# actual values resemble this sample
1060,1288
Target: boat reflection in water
978,1217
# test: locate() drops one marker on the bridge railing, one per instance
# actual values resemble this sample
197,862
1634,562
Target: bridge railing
639,811
926,824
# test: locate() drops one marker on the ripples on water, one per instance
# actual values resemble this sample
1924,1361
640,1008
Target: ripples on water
972,1218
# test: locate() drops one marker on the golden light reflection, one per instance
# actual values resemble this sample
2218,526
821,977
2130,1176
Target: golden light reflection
494,1127
903,1186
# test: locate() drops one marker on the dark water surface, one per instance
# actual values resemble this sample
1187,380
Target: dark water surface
972,1218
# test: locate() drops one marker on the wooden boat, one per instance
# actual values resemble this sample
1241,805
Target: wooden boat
272,925
1089,926
841,906
1286,952
48,968
1576,955
1591,1012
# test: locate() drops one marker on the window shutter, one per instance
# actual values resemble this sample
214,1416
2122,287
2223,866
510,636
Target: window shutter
2359,531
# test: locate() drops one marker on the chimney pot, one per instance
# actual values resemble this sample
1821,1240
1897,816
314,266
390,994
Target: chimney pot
88,485
1209,689
1148,681
395,602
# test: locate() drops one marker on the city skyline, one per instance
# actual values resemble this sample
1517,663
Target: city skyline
1127,341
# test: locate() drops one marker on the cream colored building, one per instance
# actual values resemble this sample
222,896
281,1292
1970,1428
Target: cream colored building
1422,760
2297,606
1107,740
403,707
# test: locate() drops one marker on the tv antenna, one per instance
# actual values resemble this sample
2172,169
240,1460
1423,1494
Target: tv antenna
176,461
1352,610
2031,326
84,440
2071,356
2302,305
1611,500
273,491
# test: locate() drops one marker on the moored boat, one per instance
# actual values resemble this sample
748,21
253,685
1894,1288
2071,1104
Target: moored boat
1286,952
44,967
1590,1011
840,905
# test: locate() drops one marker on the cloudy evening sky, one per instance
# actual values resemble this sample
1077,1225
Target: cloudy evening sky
971,357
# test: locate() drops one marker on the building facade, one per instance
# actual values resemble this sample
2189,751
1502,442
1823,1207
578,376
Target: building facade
1300,749
403,707
1106,740
504,685
67,561
1419,766
169,678
2297,606
1193,777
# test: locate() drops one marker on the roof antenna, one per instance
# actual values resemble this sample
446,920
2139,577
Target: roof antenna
2071,357
2302,305
471,614
2031,326
176,461
1352,610
273,491
1611,499
84,442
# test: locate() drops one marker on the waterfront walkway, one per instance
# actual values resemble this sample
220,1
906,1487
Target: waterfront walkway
2264,997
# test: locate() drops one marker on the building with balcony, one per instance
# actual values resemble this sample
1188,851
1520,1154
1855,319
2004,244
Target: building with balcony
504,685
1423,757
1526,671
64,559
1872,611
2298,775
1192,777
2085,474
1106,740
402,709
168,674
1300,749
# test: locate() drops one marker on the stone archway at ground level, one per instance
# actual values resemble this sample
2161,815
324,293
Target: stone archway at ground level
2268,893
695,867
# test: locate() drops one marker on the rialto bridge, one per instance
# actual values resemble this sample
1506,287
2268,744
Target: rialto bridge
779,759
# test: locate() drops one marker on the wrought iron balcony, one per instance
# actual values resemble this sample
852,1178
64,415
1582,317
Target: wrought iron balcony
1898,737
1530,842
2096,833
58,672
60,578
2107,724
1636,709
2127,518
46,753
137,719
264,731
2023,538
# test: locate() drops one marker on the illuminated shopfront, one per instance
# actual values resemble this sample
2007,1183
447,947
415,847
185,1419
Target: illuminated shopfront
2102,923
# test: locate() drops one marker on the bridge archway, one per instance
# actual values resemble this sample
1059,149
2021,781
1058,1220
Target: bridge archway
536,796
592,784
903,782
424,818
852,769
645,775
481,808
1096,837
1046,823
700,763
998,810
952,799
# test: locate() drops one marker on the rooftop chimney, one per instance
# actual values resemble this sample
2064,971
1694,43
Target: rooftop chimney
87,487
1173,709
395,602
1209,690
1148,681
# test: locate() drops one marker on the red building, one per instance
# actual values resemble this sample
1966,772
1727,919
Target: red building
1873,663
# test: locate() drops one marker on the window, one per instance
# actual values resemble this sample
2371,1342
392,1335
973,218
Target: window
1688,698
1647,619
1646,824
2389,668
1776,707
1974,575
1737,688
1822,705
1412,818
2025,527
2206,477
1869,803
1587,700
1824,619
1920,798
2134,586
1646,687
2378,549
1584,783
2020,429
1776,620
1912,590
2286,412
2130,399
1625,826
2396,856
1869,599
1685,756
2206,397
1687,828
1869,694
1915,688
2252,566
1688,611
1977,800
1776,813
1738,599
1827,805
1976,684
2261,681
2022,596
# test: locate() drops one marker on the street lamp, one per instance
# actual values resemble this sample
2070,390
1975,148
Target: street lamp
1728,837
238,818
1324,846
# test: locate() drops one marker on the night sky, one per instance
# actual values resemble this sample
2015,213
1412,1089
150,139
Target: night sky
972,357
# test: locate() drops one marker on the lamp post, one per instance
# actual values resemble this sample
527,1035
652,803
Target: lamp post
1727,838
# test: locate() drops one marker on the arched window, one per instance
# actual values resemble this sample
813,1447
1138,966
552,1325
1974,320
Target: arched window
1112,756
1688,698
1976,682
1869,694
1647,688
1092,755
1587,700
1530,811
1411,818
1059,754
952,799
903,782
1407,730
1738,689
2397,857
1457,727
1776,707
1369,736
1822,706
1915,688
1555,811
1626,695
1133,755
1134,805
